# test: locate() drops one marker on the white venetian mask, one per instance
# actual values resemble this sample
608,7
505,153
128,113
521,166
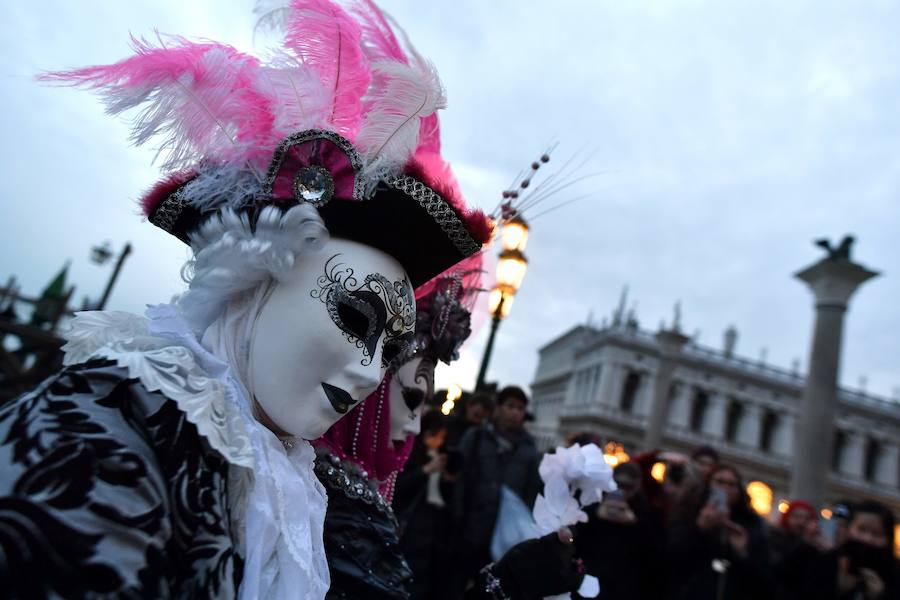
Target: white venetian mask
324,337
411,386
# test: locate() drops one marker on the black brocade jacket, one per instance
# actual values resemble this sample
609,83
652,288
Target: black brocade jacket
107,490
361,536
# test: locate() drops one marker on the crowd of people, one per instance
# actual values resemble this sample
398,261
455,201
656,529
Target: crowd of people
691,534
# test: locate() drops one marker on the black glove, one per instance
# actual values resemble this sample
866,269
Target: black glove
536,568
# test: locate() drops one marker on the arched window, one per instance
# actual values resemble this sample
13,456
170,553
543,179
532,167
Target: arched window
629,391
733,420
769,422
698,410
873,457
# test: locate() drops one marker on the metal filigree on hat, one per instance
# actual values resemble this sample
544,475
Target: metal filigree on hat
341,117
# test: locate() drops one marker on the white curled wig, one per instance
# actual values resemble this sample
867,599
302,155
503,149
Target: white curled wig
233,256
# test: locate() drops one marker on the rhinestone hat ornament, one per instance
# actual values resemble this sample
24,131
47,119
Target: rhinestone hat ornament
314,185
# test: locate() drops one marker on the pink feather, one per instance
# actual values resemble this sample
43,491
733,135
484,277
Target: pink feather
429,135
328,40
202,98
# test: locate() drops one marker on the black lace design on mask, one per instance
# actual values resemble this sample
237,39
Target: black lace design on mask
363,311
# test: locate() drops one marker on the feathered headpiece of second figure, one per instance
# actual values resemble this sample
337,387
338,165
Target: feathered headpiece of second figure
342,117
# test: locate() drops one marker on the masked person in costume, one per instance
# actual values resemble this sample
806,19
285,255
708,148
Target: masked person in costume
359,458
169,458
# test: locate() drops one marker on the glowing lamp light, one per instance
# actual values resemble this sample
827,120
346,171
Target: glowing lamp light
454,393
514,234
826,513
494,301
658,471
783,506
614,454
760,497
511,269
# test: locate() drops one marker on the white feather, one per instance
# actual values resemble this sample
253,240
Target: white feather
271,15
233,256
301,101
216,187
390,131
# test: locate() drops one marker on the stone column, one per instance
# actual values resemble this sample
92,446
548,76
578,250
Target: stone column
750,425
832,282
889,466
716,413
782,436
670,342
854,454
680,410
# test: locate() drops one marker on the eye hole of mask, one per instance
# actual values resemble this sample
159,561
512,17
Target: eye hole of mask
353,320
413,397
397,349
360,314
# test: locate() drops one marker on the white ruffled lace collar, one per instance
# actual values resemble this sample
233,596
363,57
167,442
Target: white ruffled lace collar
278,504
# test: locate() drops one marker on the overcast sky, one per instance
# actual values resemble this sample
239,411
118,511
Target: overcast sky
727,136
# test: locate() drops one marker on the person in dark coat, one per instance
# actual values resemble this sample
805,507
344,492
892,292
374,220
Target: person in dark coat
421,505
476,410
794,543
499,454
863,567
718,549
621,542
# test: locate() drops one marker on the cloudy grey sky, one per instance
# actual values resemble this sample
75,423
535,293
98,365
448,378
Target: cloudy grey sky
727,136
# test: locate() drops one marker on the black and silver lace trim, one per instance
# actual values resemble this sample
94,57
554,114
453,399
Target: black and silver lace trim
169,210
439,210
434,204
350,480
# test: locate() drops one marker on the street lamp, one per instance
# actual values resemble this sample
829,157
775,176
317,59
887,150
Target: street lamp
101,255
511,268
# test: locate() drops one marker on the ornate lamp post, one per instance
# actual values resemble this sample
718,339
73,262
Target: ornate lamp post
100,255
511,269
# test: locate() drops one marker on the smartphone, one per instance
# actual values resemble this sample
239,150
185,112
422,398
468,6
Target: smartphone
718,499
615,496
828,529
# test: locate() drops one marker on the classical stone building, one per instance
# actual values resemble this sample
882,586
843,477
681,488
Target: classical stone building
602,380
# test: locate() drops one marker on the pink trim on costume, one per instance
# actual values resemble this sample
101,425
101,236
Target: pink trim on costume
363,436
319,152
162,190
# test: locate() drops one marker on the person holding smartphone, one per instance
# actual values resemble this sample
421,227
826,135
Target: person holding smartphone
718,549
621,541
863,566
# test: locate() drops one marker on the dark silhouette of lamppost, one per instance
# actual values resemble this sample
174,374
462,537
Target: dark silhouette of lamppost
100,255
